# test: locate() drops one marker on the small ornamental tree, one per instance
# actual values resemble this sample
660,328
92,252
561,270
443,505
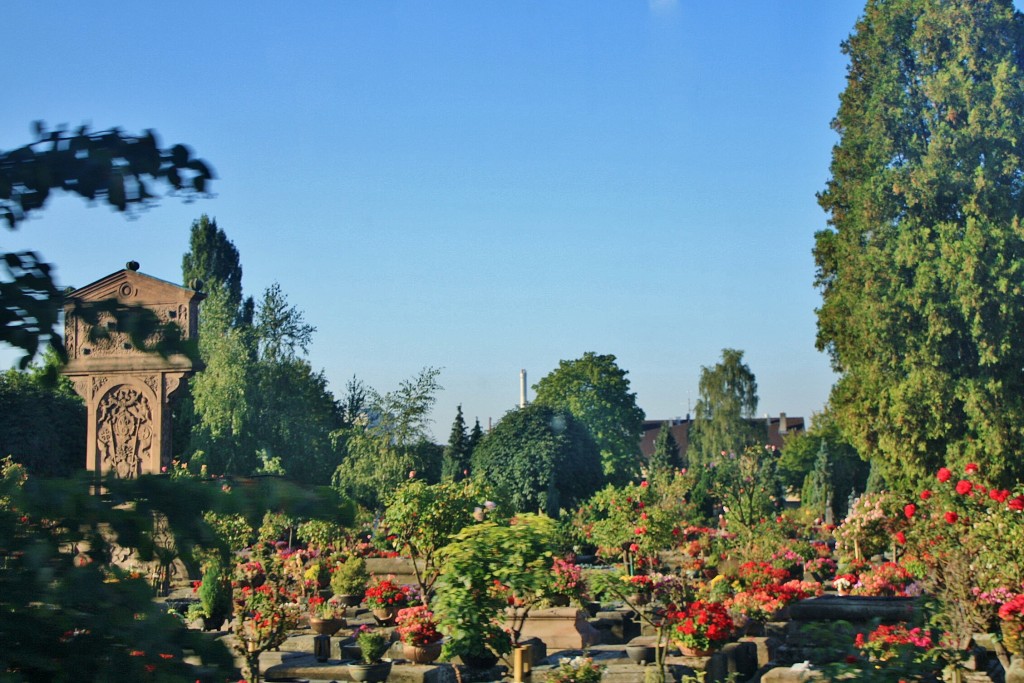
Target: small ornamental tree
964,539
487,568
747,484
421,518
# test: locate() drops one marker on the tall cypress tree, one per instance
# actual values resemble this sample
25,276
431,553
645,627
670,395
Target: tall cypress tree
455,461
922,267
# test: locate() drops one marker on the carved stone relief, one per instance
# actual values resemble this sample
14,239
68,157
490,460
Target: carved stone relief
124,434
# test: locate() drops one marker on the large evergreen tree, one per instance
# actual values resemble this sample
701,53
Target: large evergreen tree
596,391
725,410
921,267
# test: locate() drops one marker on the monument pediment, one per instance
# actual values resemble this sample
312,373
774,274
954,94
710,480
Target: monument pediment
112,349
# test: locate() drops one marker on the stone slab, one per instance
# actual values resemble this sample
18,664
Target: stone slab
306,667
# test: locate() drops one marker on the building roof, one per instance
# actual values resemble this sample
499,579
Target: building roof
775,430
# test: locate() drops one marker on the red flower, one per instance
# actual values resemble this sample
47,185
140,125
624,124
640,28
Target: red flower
901,538
1017,503
909,509
963,487
643,484
971,468
926,494
998,496
944,474
951,517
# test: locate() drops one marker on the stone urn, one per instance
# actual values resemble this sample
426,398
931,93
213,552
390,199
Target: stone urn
422,654
643,654
326,627
378,671
350,599
385,616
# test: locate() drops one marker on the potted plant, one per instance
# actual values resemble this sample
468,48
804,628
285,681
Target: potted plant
700,626
214,593
372,646
844,583
576,670
385,597
326,616
417,629
566,583
348,580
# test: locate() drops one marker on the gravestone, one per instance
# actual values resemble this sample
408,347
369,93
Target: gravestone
128,391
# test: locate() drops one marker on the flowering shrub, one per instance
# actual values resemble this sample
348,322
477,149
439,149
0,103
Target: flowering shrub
566,578
386,593
576,670
890,653
701,624
888,579
870,526
967,538
822,567
760,574
417,626
763,602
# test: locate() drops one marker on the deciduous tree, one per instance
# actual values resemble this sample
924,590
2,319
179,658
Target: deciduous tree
724,411
596,391
540,459
110,166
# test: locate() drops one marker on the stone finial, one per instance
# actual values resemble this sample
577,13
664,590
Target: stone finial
132,265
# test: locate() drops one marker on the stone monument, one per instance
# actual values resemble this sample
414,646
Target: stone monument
127,390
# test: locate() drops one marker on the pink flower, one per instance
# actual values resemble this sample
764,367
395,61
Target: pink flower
944,474
951,517
909,509
643,484
963,487
971,468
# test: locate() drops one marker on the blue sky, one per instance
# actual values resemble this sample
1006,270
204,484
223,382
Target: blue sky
478,186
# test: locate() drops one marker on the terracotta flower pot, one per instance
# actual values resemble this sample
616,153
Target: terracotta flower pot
688,651
421,654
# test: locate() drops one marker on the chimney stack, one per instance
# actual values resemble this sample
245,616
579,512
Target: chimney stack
522,388
783,427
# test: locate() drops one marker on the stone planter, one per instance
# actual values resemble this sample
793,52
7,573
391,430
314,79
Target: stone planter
643,654
378,671
385,616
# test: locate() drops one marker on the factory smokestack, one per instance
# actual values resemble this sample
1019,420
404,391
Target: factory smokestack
522,388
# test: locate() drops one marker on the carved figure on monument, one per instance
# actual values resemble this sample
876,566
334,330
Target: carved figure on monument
124,432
